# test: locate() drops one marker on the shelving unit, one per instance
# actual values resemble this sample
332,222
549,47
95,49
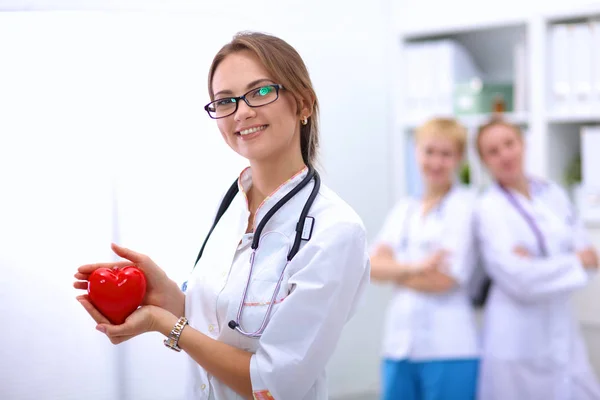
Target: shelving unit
491,45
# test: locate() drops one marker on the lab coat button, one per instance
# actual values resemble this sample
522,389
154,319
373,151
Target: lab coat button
211,327
203,386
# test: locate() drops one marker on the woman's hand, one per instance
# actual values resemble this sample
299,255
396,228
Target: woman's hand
434,262
142,320
588,257
160,290
522,252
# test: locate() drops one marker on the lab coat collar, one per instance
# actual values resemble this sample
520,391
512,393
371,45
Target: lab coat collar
537,187
245,182
439,207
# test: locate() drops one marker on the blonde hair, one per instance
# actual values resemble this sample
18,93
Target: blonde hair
444,127
285,65
494,121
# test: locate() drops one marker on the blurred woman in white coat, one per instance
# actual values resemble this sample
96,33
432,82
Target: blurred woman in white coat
284,267
536,253
425,249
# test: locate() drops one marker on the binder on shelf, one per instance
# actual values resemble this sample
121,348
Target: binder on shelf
588,195
433,69
560,74
581,68
520,77
595,51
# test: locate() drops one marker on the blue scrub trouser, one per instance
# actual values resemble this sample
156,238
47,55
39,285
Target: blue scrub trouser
429,380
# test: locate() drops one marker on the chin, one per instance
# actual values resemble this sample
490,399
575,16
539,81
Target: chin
510,177
438,181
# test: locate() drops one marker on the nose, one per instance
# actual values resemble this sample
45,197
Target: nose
244,111
503,154
436,162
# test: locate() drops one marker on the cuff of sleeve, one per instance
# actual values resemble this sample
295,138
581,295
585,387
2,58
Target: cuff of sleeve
458,276
459,273
590,272
259,388
584,273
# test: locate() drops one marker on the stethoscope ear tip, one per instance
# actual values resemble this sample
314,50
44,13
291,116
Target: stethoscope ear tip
232,324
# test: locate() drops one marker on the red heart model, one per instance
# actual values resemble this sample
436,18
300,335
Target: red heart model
117,293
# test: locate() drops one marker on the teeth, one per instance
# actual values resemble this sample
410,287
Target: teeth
252,130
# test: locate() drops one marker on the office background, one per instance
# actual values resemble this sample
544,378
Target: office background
103,138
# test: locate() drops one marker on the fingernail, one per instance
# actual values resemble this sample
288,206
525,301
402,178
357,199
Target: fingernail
101,328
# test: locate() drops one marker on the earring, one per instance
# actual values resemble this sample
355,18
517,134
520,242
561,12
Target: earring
305,121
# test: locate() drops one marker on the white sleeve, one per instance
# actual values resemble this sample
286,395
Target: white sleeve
458,238
525,279
581,237
301,337
391,231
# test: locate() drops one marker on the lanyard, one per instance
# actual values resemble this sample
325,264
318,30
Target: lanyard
528,218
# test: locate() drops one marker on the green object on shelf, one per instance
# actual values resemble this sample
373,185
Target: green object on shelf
573,172
477,97
465,174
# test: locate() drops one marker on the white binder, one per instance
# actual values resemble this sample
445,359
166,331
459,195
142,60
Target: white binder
560,73
433,69
588,198
595,51
581,68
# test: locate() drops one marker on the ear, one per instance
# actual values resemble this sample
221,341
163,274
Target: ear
306,105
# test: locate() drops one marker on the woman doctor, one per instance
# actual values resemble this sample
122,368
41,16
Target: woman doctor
425,249
537,254
254,325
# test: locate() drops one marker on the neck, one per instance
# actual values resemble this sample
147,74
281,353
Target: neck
433,193
520,185
268,175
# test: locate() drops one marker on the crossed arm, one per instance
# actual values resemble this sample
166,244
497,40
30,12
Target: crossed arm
426,276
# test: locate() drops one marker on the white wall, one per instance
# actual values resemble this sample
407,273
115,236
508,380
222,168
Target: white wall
95,99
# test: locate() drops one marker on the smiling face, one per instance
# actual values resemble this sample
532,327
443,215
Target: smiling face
265,133
440,145
501,148
438,158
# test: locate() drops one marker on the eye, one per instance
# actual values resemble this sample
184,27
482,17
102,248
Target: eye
263,91
225,102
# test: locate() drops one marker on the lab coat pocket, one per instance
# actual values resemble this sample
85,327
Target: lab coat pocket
262,292
262,301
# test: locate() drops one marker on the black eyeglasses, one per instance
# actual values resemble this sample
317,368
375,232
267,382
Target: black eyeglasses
257,97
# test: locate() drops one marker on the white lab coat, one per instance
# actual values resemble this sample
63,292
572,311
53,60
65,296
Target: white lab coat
425,326
533,349
319,293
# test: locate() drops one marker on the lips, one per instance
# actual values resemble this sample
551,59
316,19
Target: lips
251,130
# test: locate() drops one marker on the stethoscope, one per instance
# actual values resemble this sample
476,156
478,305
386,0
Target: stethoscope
302,233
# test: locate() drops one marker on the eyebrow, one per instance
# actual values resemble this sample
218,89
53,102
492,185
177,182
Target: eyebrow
249,86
